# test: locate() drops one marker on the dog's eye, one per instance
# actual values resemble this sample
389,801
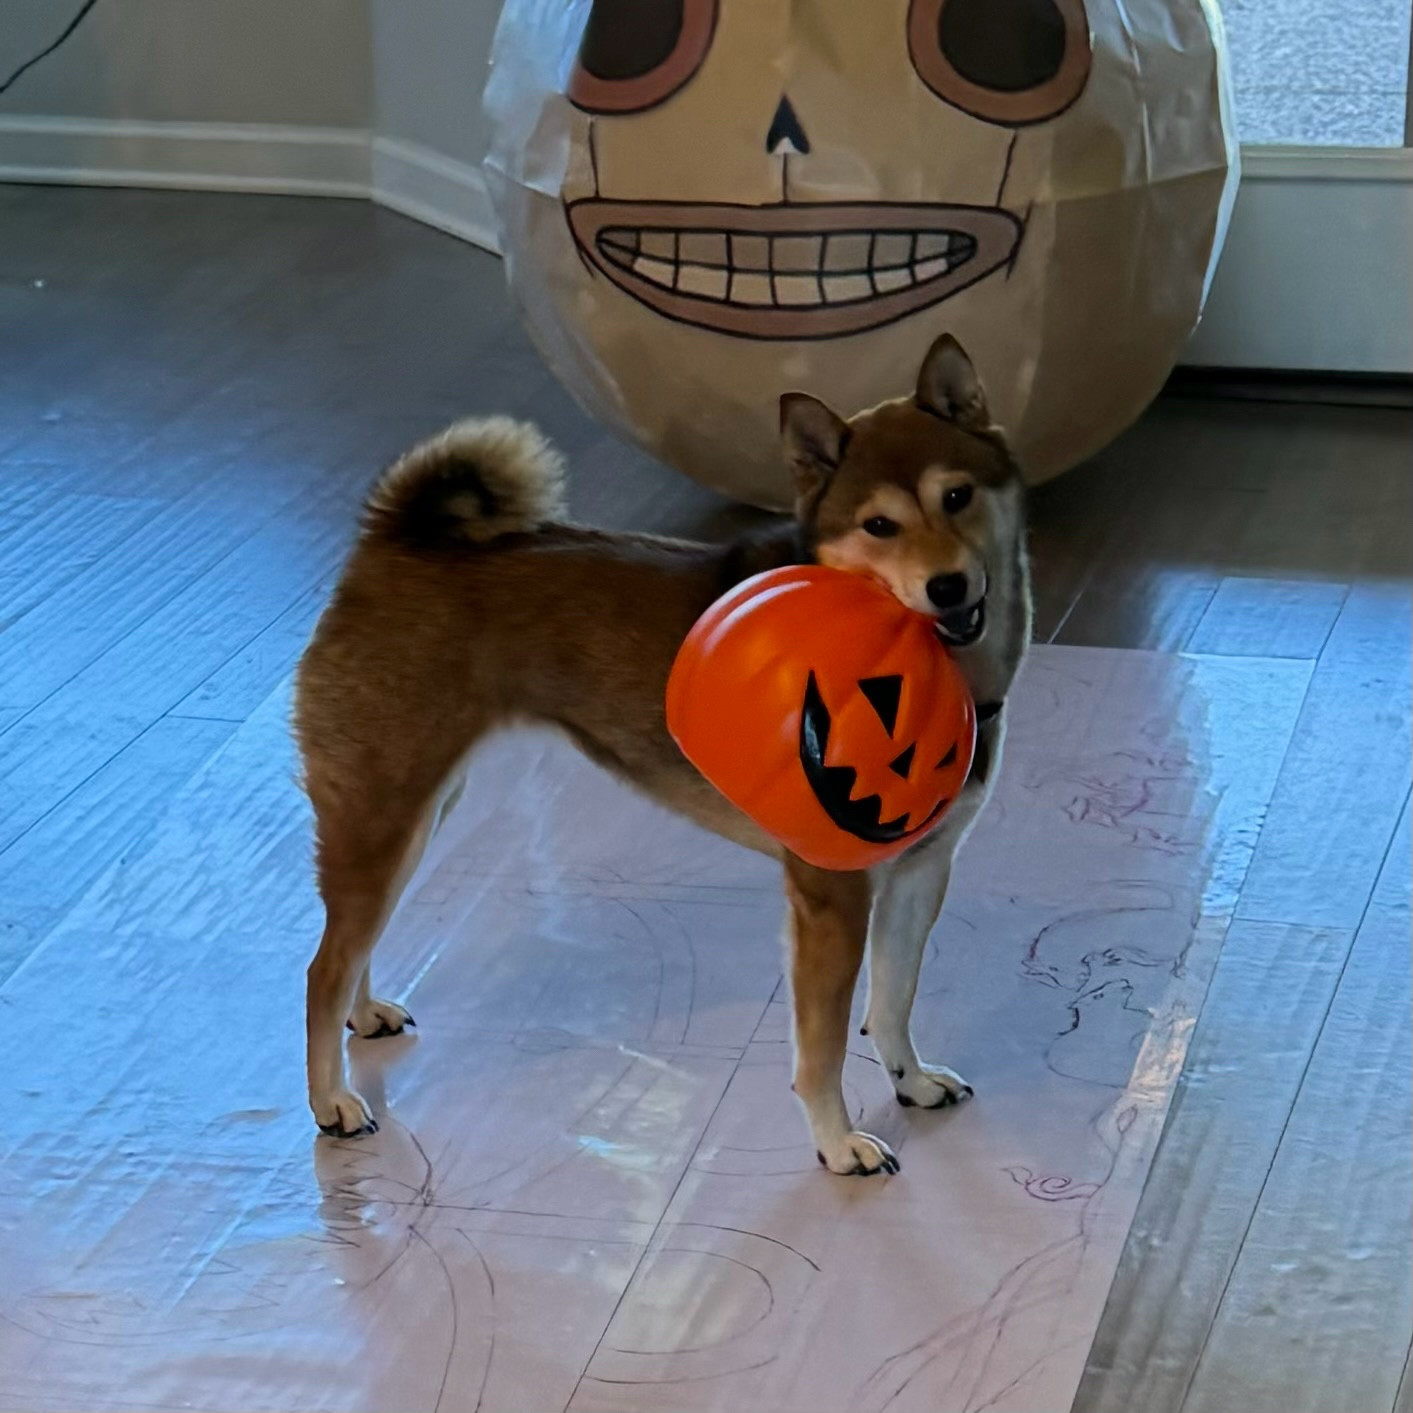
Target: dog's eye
881,527
957,498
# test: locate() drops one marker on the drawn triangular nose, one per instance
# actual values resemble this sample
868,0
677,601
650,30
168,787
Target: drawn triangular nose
786,137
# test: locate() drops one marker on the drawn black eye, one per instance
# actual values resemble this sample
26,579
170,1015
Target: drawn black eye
881,527
956,498
635,54
1011,62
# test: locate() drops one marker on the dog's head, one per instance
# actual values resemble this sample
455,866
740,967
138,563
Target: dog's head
920,493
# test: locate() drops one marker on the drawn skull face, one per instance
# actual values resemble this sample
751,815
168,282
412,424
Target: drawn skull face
706,202
801,265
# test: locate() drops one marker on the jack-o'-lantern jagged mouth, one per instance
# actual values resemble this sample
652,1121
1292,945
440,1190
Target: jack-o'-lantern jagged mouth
833,785
791,271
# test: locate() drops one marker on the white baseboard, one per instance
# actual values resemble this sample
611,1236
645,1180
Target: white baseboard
259,157
437,190
1315,274
1295,206
263,157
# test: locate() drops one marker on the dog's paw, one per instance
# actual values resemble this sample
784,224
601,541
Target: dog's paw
858,1155
343,1114
375,1019
931,1087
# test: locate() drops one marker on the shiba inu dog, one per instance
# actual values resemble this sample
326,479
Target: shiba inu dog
468,603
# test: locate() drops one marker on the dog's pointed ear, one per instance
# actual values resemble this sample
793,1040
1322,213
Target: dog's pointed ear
947,386
814,439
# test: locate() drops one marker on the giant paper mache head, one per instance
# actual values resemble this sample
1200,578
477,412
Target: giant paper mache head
703,203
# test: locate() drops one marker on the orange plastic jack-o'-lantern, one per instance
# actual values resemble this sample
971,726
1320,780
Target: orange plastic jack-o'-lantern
826,711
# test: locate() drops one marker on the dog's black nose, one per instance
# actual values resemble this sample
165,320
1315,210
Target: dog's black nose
947,590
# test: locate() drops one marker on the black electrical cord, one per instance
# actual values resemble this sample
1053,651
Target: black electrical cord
28,64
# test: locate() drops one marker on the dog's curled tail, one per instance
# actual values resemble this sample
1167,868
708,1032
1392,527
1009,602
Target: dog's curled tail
479,480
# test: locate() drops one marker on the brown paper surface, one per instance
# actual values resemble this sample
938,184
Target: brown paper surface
706,204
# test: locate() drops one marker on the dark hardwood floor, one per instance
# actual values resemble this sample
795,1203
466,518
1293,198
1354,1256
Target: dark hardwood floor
195,391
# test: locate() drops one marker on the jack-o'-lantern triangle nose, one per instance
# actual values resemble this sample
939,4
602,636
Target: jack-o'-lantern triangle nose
786,137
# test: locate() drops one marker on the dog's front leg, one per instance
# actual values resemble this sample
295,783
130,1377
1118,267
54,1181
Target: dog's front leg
828,929
910,896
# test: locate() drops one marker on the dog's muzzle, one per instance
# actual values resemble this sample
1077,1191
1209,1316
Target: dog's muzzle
964,626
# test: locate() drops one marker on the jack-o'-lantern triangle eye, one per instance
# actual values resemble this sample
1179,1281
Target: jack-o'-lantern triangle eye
903,764
884,694
950,758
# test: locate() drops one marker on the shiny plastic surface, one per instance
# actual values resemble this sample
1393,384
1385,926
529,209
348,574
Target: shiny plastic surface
592,1189
826,711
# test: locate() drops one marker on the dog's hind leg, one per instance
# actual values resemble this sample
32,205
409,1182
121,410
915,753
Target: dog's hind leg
828,928
371,1017
360,887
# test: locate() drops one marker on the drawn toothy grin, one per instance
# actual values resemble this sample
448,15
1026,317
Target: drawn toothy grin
803,271
794,271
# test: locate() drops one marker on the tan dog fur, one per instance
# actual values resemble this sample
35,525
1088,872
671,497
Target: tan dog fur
468,604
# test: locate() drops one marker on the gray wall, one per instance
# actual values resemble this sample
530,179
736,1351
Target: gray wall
411,70
255,61
430,60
